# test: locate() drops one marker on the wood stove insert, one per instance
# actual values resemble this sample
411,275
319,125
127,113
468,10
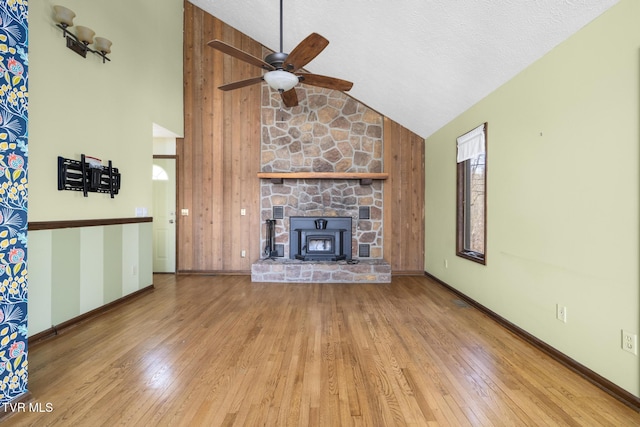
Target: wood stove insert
320,238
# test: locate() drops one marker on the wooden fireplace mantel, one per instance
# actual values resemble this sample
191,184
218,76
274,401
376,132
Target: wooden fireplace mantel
364,177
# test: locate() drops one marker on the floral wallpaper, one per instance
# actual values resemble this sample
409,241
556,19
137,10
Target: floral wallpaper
13,198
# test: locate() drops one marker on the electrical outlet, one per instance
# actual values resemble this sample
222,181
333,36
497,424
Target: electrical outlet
446,263
243,212
630,342
561,313
243,253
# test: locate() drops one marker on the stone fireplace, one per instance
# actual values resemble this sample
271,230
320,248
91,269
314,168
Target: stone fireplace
317,198
328,132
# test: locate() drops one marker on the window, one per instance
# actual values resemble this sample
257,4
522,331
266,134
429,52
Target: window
471,224
159,174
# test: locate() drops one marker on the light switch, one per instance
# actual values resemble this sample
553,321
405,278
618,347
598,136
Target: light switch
184,212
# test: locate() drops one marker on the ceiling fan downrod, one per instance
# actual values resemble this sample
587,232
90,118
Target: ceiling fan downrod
281,32
276,59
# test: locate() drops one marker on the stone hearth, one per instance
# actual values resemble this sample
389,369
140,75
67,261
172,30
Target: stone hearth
366,271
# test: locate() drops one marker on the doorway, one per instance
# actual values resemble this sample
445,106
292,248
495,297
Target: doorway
164,214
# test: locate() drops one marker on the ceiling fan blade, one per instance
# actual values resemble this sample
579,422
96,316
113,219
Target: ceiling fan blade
241,83
325,82
237,53
306,50
290,98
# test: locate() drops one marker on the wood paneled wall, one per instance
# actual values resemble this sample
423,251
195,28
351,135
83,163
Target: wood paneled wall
220,155
403,199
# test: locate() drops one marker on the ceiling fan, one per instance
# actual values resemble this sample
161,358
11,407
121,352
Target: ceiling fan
283,70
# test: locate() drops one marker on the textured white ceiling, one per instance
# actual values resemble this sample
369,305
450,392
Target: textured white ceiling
419,62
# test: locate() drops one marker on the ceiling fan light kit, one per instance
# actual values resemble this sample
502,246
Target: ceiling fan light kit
281,80
283,69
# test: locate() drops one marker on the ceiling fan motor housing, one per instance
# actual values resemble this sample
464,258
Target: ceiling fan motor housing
276,59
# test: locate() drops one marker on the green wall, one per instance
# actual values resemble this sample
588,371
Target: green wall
82,106
563,197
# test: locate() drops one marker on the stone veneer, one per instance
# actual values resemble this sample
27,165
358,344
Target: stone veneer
366,271
327,132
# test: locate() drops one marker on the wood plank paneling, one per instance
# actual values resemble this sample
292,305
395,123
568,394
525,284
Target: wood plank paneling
220,153
403,199
185,243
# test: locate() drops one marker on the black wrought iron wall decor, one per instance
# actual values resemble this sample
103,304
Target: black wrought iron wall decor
88,176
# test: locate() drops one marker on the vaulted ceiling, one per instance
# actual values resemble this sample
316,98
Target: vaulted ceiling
419,62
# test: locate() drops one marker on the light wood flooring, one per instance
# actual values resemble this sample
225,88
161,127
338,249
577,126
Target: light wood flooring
222,351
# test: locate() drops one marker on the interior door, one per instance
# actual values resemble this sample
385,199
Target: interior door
164,215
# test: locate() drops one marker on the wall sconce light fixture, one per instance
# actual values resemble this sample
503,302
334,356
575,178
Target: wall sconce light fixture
80,41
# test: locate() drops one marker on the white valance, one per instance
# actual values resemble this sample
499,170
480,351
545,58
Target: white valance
471,144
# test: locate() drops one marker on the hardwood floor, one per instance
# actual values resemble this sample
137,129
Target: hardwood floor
222,351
